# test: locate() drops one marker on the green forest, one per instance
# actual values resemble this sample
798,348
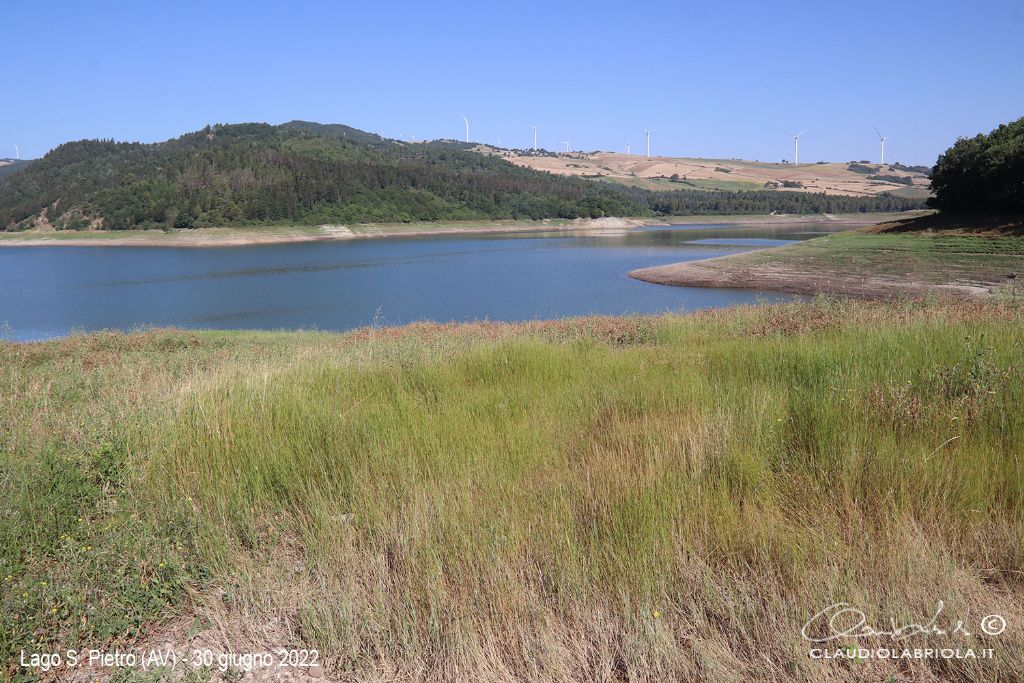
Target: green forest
983,174
308,173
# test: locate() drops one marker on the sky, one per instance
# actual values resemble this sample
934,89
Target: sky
719,80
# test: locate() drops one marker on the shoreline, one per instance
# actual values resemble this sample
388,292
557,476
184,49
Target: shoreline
862,263
237,237
715,273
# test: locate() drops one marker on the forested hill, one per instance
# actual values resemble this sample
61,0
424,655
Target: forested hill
11,165
310,173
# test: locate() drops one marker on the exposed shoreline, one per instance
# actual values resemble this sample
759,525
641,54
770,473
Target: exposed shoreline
235,237
729,273
869,264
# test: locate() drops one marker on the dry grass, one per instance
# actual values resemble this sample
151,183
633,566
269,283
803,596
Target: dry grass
594,499
653,173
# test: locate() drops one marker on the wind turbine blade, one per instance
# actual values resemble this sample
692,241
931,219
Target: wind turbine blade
876,131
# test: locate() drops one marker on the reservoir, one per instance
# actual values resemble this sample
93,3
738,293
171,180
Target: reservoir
53,291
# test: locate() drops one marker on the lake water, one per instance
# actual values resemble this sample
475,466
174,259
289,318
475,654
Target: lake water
52,291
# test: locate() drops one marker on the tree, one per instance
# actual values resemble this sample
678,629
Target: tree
983,174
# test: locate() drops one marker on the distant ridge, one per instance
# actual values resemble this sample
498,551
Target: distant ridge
8,166
310,173
336,130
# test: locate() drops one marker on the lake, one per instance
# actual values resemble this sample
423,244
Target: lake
48,292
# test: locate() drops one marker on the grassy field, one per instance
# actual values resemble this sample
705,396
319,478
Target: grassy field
594,499
661,184
653,173
932,259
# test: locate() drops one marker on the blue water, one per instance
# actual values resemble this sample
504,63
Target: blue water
53,291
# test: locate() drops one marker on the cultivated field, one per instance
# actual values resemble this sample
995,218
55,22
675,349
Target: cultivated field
656,173
585,500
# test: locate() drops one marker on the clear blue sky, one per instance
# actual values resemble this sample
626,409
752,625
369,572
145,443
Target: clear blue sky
715,79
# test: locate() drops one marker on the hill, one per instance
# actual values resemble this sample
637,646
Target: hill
8,166
854,179
304,173
294,173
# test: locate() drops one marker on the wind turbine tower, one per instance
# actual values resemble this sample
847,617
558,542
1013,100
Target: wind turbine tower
467,127
17,152
881,146
535,137
627,146
566,143
796,146
648,132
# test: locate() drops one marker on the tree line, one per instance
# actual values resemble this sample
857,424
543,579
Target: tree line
983,174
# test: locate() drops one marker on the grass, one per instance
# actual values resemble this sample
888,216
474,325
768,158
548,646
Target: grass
916,192
683,185
931,258
888,261
662,498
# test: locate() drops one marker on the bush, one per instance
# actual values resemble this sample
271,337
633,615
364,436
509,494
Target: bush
861,168
902,180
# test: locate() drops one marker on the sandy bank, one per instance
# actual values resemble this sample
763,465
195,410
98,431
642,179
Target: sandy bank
234,237
733,272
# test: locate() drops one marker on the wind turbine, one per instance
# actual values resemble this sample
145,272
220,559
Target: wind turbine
648,132
881,144
627,146
796,145
535,137
467,127
17,152
566,143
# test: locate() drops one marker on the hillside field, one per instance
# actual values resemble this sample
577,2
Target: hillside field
655,173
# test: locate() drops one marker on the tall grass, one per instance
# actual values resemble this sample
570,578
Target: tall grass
633,499
584,511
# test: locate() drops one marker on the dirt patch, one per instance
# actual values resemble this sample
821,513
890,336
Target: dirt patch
778,277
